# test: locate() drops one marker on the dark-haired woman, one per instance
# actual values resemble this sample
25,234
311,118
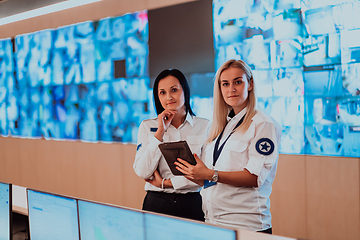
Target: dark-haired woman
166,193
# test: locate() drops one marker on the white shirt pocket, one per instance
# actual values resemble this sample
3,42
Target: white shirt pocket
195,143
234,156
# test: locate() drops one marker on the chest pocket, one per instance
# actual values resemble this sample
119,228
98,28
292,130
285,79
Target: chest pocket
195,143
234,156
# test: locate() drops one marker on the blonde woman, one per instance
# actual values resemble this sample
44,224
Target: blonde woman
239,163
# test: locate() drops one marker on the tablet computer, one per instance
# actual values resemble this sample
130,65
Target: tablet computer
174,150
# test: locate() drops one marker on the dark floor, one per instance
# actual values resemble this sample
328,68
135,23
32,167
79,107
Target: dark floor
20,226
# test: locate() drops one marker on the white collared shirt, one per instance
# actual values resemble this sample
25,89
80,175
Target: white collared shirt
256,150
149,158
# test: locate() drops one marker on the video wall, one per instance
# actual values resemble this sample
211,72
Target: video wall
87,81
305,56
90,81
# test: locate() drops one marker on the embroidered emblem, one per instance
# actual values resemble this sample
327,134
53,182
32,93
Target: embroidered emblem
138,146
153,129
264,146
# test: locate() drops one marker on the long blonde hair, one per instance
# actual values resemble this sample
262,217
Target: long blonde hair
221,108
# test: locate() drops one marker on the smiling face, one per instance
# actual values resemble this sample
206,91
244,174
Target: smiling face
171,94
234,88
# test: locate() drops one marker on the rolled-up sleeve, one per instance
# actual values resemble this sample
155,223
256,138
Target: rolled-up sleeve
264,151
147,154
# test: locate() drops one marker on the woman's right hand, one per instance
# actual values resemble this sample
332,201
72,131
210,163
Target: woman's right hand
164,121
194,172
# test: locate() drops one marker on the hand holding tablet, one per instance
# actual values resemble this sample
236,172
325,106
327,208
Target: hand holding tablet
174,150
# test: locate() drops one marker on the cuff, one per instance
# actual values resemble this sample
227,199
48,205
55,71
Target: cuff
180,182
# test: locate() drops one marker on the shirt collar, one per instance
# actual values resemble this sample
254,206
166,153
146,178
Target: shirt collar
190,119
237,116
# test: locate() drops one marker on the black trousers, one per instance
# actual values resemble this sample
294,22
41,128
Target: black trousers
187,205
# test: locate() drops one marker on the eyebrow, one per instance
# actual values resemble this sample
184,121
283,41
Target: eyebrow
221,80
170,87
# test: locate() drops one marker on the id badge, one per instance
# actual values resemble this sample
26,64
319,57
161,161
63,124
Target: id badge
208,183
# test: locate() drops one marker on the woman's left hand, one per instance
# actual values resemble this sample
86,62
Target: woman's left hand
197,172
156,180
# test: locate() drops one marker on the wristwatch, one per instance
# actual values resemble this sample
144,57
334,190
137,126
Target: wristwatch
215,177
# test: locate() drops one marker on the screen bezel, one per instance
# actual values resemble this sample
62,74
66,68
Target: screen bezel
10,210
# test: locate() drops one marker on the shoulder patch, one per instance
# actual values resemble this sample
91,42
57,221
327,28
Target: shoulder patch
153,129
138,146
265,146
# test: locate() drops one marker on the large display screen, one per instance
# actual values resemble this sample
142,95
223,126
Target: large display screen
87,81
98,221
162,227
305,56
7,81
52,216
90,80
5,211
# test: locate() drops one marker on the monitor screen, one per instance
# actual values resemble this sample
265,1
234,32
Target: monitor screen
98,221
162,227
5,211
307,76
52,216
87,81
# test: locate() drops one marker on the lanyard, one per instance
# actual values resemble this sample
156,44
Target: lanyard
218,150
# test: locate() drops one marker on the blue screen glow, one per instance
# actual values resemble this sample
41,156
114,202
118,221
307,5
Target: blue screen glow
87,81
5,212
162,227
52,217
90,81
105,222
305,57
